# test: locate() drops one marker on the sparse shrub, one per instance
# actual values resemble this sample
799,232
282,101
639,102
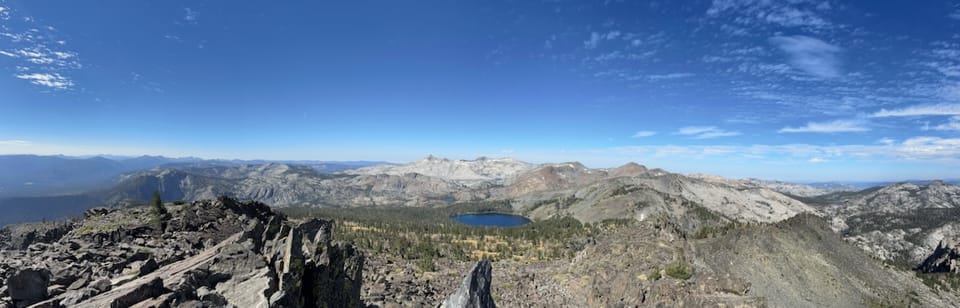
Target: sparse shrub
655,275
679,270
426,264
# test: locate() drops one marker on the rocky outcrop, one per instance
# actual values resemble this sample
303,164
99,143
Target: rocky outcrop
474,292
944,259
28,286
209,253
20,236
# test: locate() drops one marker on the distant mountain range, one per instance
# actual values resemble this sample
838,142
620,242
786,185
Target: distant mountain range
36,187
901,222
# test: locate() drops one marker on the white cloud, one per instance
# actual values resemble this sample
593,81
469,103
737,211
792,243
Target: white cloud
922,148
920,110
643,133
8,54
705,132
837,126
930,148
953,124
955,15
811,55
817,160
670,76
190,15
793,13
592,42
52,80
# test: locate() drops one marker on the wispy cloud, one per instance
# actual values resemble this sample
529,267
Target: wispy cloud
794,13
837,126
643,133
38,52
952,125
811,55
955,15
595,38
930,148
14,142
52,80
920,148
670,76
920,110
705,132
190,15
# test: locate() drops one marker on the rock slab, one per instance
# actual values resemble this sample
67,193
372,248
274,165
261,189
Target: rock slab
474,292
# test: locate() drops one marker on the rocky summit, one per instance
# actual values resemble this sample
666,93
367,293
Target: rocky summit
205,254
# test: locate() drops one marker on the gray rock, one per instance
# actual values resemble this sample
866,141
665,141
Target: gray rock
97,211
55,290
148,267
944,259
78,284
23,235
102,285
28,286
50,303
474,292
145,291
333,278
74,297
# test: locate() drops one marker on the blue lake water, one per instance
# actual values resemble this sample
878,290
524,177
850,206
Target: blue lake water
491,220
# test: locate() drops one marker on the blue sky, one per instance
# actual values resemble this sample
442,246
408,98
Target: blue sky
793,90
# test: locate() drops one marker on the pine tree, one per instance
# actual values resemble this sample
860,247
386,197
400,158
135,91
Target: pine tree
157,205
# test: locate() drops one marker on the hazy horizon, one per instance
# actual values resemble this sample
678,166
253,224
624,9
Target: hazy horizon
796,91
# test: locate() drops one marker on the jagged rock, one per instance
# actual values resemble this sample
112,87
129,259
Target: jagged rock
21,236
211,254
145,291
55,290
474,292
333,278
102,285
944,259
148,267
251,280
291,276
28,286
210,298
78,284
97,211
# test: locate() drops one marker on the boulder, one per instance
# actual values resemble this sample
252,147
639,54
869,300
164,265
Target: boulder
28,286
474,292
148,267
333,278
145,291
102,285
97,211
